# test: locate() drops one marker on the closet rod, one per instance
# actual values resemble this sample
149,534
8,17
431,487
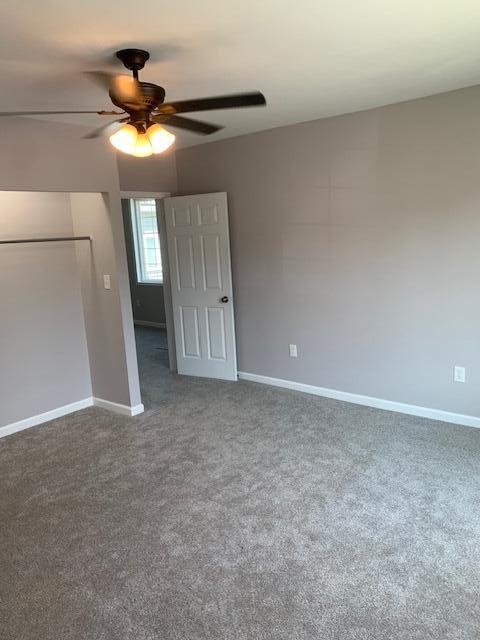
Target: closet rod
66,239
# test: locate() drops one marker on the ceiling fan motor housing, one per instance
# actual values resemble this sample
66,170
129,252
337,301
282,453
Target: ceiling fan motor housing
152,96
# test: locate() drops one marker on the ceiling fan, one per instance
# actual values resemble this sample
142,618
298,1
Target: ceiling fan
140,132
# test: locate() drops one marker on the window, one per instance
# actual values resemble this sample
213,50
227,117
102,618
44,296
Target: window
146,241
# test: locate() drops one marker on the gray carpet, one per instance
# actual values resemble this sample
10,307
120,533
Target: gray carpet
236,511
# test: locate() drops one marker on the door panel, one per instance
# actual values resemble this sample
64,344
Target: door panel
190,332
216,333
208,215
182,217
211,263
199,259
185,263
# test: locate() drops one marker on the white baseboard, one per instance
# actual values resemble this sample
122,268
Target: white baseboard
368,401
123,409
147,323
33,421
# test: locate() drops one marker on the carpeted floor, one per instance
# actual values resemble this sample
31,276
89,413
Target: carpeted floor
236,511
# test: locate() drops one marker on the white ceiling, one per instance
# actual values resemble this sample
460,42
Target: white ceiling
311,58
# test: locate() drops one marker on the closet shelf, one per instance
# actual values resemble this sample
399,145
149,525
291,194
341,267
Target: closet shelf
63,239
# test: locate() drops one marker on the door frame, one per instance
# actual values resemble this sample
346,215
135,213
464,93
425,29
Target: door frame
158,196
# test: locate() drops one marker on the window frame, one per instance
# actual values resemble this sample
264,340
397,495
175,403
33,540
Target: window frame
138,248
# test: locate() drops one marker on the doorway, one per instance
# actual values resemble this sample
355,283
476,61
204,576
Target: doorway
64,341
178,252
148,275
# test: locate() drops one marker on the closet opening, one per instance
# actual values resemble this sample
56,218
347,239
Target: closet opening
65,341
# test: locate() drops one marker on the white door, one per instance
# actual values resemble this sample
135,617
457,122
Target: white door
201,282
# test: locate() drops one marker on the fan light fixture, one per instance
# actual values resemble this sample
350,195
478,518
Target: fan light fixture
141,144
141,106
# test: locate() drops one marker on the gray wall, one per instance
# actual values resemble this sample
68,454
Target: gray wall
43,346
156,173
147,299
41,156
106,333
357,238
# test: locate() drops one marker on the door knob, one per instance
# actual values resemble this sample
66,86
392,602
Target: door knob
224,299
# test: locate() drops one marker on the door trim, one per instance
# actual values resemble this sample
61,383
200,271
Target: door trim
156,195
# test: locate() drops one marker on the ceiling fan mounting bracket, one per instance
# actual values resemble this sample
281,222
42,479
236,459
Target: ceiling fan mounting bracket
133,59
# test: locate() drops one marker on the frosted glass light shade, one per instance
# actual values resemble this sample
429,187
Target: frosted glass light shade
143,148
129,140
160,138
125,139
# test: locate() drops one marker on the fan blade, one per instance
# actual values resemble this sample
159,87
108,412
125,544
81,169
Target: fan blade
197,126
107,129
52,113
123,89
255,99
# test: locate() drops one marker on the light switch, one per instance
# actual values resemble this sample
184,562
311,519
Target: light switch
459,374
292,350
106,281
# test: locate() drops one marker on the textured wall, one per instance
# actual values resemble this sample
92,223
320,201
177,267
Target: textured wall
43,347
357,238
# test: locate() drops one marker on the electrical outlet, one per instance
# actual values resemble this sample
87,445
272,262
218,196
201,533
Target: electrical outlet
459,374
106,281
292,348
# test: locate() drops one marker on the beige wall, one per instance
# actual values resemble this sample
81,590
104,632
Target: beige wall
357,238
